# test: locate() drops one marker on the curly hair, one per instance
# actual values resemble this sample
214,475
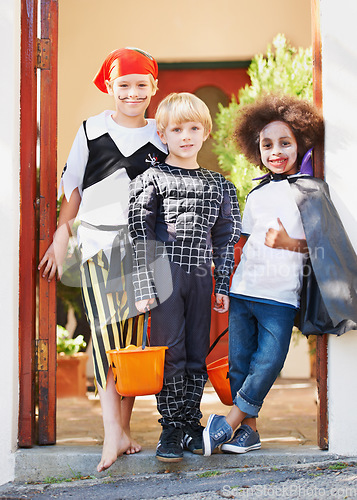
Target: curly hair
304,119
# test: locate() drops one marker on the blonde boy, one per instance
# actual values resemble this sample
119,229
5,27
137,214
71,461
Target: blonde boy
191,214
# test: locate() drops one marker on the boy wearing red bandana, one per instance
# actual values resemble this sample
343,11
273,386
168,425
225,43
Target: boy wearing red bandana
109,151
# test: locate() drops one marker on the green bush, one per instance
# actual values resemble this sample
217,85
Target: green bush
283,68
66,344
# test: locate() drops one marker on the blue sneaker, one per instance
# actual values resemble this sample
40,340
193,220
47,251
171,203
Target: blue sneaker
216,432
244,439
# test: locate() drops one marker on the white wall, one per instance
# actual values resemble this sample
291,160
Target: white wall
297,363
9,217
342,392
339,70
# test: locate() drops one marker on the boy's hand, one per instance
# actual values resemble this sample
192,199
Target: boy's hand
279,238
144,305
221,303
55,255
49,265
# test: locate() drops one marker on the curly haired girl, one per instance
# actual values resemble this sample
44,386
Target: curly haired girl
289,225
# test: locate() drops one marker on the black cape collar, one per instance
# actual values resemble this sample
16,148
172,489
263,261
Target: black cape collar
278,177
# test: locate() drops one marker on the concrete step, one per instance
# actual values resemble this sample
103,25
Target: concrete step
65,462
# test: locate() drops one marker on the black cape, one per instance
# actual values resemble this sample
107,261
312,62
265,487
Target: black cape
329,295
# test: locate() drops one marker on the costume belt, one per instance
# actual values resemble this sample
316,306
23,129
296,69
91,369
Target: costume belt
121,258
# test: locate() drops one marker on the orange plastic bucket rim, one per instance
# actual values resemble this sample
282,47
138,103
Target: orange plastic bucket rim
137,371
218,362
134,348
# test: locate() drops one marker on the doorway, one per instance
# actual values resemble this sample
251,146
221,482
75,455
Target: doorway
37,332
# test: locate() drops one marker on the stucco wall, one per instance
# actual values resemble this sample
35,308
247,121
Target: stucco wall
200,30
9,216
339,63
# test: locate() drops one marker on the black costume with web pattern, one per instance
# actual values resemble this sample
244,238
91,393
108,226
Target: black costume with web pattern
194,213
192,216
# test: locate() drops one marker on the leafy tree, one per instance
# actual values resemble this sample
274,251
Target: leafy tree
283,68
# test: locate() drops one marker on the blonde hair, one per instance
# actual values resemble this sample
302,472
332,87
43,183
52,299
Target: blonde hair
181,108
154,84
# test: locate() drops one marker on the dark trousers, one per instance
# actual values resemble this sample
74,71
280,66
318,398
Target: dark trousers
182,323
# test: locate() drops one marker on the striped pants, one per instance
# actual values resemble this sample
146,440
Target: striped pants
107,314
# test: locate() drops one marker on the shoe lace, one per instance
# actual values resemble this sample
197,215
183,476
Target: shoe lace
173,436
242,434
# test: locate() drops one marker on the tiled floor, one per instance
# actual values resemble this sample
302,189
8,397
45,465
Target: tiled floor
288,417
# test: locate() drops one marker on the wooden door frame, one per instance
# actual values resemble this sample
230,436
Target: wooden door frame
322,340
27,244
47,313
37,352
37,334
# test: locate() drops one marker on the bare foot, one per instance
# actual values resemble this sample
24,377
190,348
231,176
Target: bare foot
134,447
113,449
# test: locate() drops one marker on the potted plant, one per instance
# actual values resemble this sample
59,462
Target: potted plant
71,365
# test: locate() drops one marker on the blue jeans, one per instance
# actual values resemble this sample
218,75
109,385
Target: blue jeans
259,338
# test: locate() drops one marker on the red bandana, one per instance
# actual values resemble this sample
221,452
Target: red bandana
128,61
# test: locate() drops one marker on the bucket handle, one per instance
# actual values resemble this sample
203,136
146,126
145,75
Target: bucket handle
145,329
217,340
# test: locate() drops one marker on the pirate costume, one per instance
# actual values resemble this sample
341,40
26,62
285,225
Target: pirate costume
104,158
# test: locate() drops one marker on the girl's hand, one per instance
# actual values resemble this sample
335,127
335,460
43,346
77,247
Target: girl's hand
221,303
279,238
144,305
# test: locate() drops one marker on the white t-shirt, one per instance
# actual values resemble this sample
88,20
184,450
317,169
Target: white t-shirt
264,272
105,202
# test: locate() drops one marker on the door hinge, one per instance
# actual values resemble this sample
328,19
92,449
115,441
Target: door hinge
41,355
43,53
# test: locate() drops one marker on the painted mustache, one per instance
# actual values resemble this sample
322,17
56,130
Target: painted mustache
130,98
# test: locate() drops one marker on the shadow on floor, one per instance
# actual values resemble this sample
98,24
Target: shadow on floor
288,417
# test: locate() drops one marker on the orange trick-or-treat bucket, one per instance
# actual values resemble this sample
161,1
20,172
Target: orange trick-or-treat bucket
138,371
218,375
